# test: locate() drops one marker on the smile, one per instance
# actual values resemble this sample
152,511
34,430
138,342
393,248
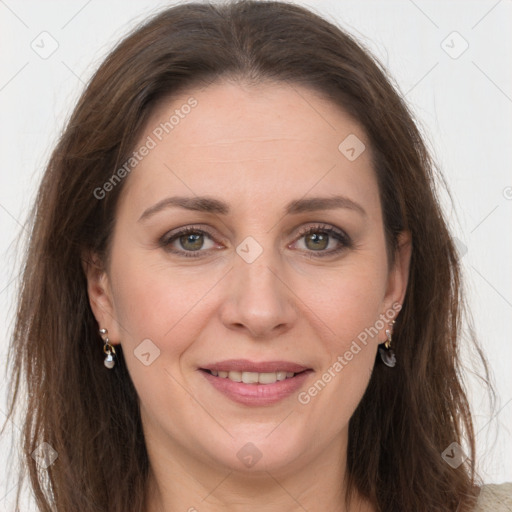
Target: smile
253,377
241,382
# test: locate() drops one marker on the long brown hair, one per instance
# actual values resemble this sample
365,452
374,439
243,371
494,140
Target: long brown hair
90,417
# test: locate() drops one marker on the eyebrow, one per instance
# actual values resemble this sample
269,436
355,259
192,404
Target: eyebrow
211,205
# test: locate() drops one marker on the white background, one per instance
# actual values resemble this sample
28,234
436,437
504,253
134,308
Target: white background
464,106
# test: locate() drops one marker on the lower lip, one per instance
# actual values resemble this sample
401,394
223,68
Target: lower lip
257,394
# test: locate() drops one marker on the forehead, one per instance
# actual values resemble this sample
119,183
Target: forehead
227,113
280,139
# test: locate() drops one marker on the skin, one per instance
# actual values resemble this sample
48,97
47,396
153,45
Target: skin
257,148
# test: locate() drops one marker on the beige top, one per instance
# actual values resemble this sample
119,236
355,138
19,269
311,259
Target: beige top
495,498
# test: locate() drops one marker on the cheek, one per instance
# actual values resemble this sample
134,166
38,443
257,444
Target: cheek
351,310
139,299
348,300
157,302
158,322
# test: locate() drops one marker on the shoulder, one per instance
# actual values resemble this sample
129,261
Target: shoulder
495,498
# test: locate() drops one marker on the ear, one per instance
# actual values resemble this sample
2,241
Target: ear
399,273
100,295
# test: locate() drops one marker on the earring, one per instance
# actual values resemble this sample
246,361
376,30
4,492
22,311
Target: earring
386,352
109,361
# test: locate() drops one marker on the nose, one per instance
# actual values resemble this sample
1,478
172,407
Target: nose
258,300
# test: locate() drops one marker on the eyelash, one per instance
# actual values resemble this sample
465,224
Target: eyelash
338,235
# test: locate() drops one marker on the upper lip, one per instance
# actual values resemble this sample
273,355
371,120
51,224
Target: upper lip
244,365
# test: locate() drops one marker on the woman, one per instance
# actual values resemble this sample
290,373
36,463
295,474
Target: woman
240,292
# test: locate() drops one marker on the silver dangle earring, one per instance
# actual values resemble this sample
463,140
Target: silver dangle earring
385,351
109,361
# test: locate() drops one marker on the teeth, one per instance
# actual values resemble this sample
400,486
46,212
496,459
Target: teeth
236,376
281,375
253,377
249,377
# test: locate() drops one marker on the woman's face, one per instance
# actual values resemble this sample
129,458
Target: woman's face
281,271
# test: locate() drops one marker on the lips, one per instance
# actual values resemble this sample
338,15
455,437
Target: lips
256,384
244,365
253,377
